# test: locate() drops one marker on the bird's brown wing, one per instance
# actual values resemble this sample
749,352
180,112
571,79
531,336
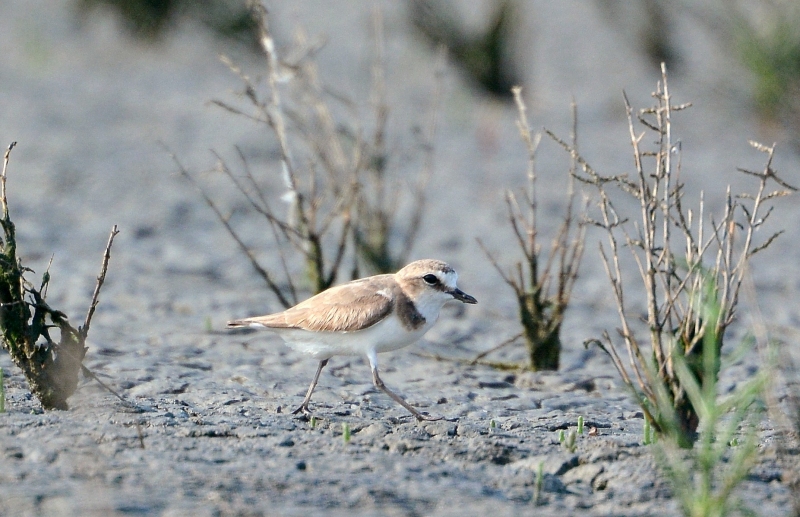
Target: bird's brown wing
346,308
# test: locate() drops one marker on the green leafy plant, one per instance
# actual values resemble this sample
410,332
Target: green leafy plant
764,37
769,46
705,477
647,432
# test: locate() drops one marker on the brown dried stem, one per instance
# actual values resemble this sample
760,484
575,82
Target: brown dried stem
677,253
101,278
334,180
378,202
543,293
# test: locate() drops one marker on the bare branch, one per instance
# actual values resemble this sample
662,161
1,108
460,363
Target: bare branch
101,278
273,286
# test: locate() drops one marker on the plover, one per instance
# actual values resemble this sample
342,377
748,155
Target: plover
365,317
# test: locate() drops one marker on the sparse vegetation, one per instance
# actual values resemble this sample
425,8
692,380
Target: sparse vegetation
383,240
539,486
679,253
767,38
568,440
50,365
341,202
650,25
764,36
542,286
485,56
151,19
2,392
705,478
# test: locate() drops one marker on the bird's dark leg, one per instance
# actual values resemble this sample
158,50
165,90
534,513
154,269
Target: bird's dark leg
304,406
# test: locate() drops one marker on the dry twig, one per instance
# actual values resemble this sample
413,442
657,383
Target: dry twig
339,200
543,290
677,251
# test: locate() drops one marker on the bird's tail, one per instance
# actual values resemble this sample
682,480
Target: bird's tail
268,321
238,324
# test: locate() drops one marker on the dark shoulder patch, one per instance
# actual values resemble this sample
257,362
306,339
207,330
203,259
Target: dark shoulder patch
410,317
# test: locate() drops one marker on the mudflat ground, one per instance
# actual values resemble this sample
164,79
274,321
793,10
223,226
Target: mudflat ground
212,433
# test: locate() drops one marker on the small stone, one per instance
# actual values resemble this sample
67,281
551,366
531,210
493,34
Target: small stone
585,474
440,428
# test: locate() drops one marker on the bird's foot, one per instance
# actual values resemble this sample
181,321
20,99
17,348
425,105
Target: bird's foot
426,418
302,409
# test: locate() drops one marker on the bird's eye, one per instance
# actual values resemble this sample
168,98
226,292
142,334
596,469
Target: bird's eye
430,279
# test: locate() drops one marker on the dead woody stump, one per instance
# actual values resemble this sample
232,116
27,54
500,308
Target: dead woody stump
26,320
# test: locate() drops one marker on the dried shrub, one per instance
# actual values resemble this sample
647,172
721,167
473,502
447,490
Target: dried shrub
383,238
542,286
26,320
340,203
678,251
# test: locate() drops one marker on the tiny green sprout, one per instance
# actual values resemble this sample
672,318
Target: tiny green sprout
647,431
580,424
561,436
313,422
734,442
345,432
537,490
2,393
492,424
569,442
207,324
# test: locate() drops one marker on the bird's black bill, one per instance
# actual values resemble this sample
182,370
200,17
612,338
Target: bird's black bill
458,294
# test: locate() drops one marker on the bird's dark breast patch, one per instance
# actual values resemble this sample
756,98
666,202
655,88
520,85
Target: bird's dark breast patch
409,316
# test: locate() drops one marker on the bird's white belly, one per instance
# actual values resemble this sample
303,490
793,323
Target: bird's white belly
384,336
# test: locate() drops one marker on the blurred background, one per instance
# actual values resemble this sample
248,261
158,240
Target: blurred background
98,93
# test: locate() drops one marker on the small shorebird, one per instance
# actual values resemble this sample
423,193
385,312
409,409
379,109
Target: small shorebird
368,316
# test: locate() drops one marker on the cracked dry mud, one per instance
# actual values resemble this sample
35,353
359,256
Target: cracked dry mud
212,433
